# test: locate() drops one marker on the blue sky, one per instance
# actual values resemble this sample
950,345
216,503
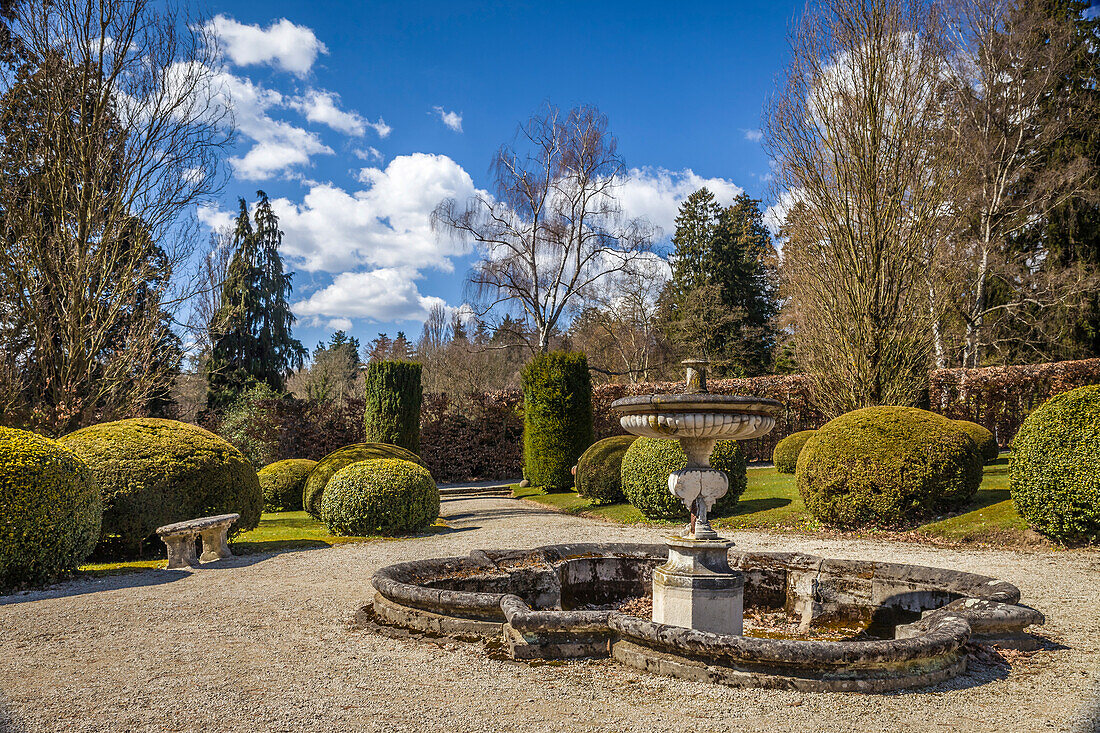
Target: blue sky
356,118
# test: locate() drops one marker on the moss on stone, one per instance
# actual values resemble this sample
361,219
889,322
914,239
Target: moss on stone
1054,468
50,509
152,472
887,466
327,467
283,483
785,454
649,461
380,496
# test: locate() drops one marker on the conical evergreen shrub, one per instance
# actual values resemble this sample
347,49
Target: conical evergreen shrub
557,418
393,397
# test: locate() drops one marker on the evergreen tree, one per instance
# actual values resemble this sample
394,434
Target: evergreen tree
401,350
380,348
252,343
725,256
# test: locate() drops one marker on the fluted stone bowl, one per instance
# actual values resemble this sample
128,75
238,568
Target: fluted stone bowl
695,416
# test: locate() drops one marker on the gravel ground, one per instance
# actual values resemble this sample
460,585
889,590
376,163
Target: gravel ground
265,643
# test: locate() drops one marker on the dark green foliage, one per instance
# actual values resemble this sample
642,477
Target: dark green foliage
987,444
723,297
50,509
599,470
152,472
557,423
887,466
393,397
251,332
283,483
1054,468
383,496
785,455
648,463
251,425
328,466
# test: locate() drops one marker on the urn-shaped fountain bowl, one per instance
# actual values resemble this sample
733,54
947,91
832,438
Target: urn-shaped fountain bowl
697,416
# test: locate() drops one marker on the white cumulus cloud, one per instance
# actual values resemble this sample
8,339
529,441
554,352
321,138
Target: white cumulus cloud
384,295
452,120
753,136
277,145
656,194
321,106
282,44
381,128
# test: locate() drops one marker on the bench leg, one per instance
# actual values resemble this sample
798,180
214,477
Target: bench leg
181,551
215,545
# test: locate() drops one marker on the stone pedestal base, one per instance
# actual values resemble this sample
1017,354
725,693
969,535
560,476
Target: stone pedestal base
696,588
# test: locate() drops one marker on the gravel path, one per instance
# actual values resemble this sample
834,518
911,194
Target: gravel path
264,643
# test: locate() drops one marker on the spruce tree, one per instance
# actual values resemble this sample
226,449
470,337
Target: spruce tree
723,297
252,341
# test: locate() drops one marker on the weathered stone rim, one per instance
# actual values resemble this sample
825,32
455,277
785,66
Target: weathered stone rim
670,403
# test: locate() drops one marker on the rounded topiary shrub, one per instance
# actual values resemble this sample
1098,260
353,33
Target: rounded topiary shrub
648,463
152,472
50,509
557,418
283,482
599,470
785,454
381,496
982,438
1054,467
327,467
392,410
887,466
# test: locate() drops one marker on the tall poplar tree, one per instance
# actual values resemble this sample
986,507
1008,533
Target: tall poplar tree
252,341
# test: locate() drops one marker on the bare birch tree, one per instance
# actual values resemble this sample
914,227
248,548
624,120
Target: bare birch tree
853,131
112,130
1008,107
553,227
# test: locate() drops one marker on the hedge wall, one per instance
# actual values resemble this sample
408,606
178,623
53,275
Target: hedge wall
480,436
557,426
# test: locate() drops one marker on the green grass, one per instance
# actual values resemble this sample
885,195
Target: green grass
772,501
276,531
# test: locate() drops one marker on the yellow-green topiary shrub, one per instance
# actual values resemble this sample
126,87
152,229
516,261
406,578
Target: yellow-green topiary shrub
1054,467
785,454
50,509
599,470
648,463
327,467
152,472
887,466
382,496
982,438
283,482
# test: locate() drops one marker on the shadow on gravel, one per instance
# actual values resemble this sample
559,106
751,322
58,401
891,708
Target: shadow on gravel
83,585
8,722
502,513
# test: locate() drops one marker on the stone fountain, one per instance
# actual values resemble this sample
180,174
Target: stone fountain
696,588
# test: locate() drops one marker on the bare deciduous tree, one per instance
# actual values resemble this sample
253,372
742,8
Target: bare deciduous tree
853,132
554,226
1007,109
112,129
618,328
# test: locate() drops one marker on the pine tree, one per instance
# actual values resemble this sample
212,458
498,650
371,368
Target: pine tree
723,255
380,348
252,341
401,350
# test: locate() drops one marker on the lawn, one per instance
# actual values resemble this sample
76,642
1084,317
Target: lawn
276,531
772,501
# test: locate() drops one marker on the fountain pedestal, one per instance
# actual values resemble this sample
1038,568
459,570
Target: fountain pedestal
696,588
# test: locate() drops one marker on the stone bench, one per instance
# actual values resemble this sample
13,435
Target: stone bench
180,538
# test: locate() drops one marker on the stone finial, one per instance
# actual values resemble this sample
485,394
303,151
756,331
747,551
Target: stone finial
696,380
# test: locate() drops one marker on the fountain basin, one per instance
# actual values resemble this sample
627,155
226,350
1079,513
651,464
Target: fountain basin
557,602
697,416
